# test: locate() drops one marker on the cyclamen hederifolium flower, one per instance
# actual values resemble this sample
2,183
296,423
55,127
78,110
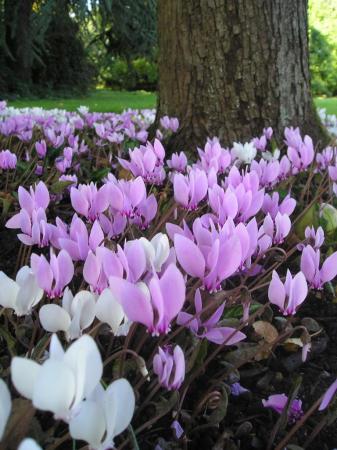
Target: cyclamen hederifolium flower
8,160
22,294
75,314
244,152
32,218
68,385
210,328
278,402
189,190
154,303
169,365
212,254
300,152
147,162
288,296
29,444
53,276
310,266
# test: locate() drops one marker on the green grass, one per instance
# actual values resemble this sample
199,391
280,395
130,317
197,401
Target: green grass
330,104
103,100
100,100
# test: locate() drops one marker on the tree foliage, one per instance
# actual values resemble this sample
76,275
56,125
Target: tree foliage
323,46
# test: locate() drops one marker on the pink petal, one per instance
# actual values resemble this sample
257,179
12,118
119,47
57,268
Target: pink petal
329,268
189,256
136,305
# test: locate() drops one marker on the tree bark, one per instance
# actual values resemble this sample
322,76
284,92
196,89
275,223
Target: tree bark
228,68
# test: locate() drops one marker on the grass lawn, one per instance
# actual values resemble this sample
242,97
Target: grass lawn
103,100
100,100
330,104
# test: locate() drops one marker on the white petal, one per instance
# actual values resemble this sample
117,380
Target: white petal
109,311
84,306
161,245
119,406
55,348
29,444
8,291
89,424
24,374
54,318
54,388
67,299
29,293
149,250
85,361
5,406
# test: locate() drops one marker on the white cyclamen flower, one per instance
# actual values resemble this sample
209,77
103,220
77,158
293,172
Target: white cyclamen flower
268,156
244,152
76,314
157,250
5,406
109,311
21,294
105,415
29,444
64,380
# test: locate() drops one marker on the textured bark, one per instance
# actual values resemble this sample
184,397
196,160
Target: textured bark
228,68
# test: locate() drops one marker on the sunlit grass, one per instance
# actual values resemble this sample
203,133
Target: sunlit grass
330,104
101,100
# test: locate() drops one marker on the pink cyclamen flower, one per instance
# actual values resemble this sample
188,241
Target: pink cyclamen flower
8,160
191,189
260,143
32,200
214,157
272,205
79,241
178,162
300,152
288,296
89,201
213,258
169,123
316,238
209,329
41,148
55,275
154,304
169,365
324,158
99,266
268,132
277,229
310,266
278,402
147,162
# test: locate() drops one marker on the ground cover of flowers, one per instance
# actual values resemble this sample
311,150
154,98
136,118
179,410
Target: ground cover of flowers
154,301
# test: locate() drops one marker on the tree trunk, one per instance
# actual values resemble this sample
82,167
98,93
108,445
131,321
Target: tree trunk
228,68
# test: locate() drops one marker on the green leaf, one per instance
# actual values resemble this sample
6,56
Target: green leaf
309,218
97,175
59,186
236,311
